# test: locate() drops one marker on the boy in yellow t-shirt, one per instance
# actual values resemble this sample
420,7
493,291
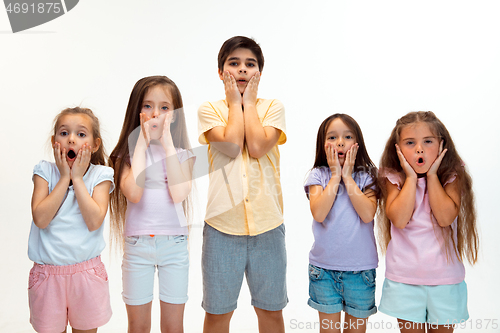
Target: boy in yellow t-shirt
244,232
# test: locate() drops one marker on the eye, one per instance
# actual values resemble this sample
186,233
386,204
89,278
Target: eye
408,143
429,141
250,64
348,137
82,135
63,133
165,108
146,106
331,137
233,63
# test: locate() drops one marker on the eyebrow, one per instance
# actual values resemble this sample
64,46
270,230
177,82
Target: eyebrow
346,132
247,59
425,137
63,126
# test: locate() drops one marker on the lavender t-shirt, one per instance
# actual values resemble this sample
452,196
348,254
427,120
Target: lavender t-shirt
343,242
156,213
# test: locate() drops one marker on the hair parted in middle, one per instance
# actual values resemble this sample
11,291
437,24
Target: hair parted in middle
121,154
467,239
237,42
362,162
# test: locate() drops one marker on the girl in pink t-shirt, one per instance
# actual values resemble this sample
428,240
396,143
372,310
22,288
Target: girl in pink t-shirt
153,171
428,226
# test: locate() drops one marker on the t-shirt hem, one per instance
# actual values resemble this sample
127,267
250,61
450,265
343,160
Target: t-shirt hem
424,282
344,268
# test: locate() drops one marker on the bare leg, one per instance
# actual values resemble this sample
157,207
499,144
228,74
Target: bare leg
172,317
139,318
329,322
270,321
217,323
440,328
354,324
411,327
74,330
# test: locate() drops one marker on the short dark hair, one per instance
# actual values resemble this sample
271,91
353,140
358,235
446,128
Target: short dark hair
237,42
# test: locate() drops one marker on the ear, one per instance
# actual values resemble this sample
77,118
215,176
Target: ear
52,139
97,144
221,74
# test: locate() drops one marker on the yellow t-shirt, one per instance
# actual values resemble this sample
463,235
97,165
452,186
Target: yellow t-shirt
244,194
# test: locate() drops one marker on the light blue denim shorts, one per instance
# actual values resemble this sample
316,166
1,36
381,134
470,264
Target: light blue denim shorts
227,258
142,256
437,305
334,291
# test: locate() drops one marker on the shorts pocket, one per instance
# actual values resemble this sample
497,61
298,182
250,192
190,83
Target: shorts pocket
131,240
100,272
315,273
369,277
180,239
35,279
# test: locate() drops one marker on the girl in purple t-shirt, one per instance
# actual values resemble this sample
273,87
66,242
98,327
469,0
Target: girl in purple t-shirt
342,189
428,226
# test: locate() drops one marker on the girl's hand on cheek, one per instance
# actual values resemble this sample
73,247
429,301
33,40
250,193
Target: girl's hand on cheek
144,136
166,137
350,159
61,162
408,170
81,163
435,165
333,160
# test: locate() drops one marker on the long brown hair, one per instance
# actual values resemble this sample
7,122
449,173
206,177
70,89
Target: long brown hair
362,162
99,157
467,243
120,156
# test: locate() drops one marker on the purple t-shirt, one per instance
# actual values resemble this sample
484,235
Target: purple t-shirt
343,242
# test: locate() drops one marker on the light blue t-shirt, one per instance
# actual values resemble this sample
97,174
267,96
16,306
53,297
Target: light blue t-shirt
343,242
67,240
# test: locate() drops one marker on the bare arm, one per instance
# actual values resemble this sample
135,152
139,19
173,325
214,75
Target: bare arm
400,204
93,208
44,206
321,200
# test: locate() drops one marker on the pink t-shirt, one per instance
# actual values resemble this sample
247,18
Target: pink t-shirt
156,213
416,254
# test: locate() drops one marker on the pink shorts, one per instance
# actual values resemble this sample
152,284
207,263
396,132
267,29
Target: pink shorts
78,293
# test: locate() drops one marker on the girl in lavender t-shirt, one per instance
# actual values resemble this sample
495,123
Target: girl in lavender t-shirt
428,226
342,189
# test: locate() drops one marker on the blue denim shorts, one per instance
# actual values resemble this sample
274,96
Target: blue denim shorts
227,258
334,291
437,305
143,255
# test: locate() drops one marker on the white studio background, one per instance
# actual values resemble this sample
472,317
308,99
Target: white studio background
374,60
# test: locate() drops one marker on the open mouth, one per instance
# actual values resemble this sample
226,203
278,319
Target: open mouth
242,81
71,154
420,160
341,154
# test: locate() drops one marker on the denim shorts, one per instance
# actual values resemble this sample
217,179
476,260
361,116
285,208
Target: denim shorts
437,305
334,291
227,258
142,256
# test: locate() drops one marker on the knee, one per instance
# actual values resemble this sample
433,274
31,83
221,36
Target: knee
269,315
139,327
218,318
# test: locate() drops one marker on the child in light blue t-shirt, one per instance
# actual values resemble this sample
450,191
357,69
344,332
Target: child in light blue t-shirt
342,189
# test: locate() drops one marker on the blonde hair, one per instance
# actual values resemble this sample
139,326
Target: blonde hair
467,239
99,157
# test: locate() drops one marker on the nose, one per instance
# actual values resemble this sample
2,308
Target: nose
156,113
243,69
72,138
340,143
420,150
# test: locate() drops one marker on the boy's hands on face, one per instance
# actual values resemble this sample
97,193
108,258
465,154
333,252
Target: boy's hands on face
233,96
250,94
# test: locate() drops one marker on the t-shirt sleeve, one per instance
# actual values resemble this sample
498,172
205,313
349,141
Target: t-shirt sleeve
185,154
315,177
393,177
275,117
105,174
42,169
208,118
